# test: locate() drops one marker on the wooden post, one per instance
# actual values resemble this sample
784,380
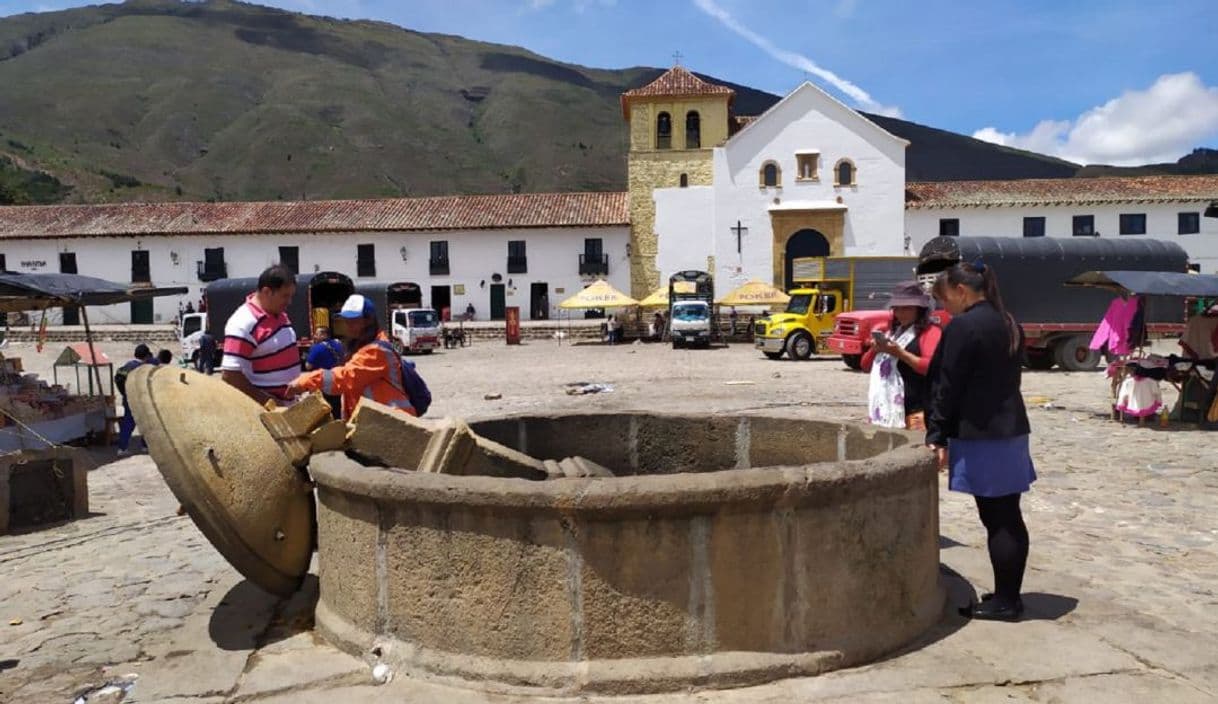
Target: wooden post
84,316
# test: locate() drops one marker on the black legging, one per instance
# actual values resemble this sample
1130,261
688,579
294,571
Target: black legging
1007,541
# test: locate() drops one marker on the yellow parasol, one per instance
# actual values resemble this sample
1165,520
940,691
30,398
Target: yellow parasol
755,293
598,295
657,299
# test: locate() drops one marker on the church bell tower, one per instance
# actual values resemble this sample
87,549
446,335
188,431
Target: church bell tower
674,121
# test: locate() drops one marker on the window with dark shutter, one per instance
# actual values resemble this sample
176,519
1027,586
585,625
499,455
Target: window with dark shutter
1084,226
518,261
438,261
949,227
212,267
141,268
1033,227
365,260
67,263
594,260
1133,223
845,173
290,257
770,175
1188,223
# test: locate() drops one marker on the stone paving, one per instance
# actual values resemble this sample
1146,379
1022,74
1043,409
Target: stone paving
1120,587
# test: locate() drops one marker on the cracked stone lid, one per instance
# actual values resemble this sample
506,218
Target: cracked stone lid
227,471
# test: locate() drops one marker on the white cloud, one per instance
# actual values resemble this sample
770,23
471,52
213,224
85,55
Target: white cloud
1158,124
796,60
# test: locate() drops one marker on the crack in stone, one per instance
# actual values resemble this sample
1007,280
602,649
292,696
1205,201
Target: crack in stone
261,639
341,680
40,549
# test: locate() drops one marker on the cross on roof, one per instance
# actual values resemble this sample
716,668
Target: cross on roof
676,58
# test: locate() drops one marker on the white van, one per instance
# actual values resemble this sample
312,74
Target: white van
415,330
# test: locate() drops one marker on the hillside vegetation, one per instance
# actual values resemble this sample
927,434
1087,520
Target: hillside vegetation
159,99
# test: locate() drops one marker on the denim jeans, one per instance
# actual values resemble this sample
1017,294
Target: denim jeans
126,426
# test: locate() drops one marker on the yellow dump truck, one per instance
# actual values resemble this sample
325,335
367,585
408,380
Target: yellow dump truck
824,287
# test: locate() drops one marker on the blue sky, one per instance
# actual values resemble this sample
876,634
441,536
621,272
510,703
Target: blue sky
1111,81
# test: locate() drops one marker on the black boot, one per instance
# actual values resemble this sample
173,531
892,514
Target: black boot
994,609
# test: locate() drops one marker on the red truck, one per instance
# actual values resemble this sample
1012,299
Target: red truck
1057,321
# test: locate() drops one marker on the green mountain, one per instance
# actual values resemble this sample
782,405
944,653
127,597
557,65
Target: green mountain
162,100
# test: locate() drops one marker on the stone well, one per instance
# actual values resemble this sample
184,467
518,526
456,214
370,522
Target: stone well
725,551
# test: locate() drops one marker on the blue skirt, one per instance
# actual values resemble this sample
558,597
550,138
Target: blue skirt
990,467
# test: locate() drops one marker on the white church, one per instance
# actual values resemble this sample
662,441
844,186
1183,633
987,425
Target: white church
707,189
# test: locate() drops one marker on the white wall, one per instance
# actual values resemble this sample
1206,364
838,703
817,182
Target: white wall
807,119
922,224
685,221
474,255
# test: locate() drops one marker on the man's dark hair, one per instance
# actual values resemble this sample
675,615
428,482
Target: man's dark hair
276,278
164,356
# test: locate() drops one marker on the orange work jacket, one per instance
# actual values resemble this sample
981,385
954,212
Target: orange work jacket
374,372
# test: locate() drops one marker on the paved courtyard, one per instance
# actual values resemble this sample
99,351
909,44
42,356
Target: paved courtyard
1120,587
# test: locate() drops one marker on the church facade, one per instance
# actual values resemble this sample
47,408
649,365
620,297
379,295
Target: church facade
813,177
809,177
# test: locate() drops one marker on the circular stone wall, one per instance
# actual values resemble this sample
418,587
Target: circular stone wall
726,551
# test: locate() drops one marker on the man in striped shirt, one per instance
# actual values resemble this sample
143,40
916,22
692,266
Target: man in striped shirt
260,355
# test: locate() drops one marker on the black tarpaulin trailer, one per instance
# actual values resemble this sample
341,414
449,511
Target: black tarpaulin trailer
1057,319
1032,272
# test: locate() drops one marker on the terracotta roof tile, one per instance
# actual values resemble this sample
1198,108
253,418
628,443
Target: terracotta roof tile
1061,191
676,81
396,214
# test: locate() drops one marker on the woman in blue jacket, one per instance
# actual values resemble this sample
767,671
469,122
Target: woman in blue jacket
979,427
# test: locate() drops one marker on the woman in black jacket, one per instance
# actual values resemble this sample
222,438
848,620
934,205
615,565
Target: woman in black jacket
978,425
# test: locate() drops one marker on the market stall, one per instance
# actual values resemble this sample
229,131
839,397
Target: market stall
599,295
34,414
1137,374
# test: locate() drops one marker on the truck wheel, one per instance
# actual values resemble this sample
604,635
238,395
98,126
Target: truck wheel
800,345
1074,354
773,355
1038,358
854,361
428,351
676,345
397,346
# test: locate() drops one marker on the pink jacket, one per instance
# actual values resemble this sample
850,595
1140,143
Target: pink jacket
1113,331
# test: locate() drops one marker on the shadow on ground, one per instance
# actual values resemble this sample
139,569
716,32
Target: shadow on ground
946,542
248,617
1039,606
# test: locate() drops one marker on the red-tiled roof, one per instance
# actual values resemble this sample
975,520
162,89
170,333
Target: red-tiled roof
1061,191
396,214
676,81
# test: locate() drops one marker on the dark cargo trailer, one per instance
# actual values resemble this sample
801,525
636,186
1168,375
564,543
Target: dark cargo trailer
1059,320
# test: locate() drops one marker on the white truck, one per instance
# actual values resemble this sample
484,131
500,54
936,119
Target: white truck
690,297
189,332
399,305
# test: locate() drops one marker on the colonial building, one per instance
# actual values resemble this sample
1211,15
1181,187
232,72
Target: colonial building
738,196
1163,207
529,251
